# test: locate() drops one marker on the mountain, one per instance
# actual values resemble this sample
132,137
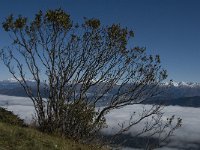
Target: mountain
181,84
182,101
173,93
12,83
11,87
174,90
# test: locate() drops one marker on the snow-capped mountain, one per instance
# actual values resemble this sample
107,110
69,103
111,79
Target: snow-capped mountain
169,83
172,91
13,80
13,83
181,84
13,88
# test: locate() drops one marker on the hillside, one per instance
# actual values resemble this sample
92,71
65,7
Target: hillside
19,138
14,136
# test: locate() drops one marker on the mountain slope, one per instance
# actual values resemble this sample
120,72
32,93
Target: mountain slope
182,101
173,93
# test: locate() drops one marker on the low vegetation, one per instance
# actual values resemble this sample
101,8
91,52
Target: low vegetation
15,137
9,118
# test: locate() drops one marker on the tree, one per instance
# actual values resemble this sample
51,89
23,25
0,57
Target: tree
78,67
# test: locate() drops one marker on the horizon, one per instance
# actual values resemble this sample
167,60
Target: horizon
168,28
165,82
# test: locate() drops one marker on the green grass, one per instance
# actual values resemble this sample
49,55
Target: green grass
10,118
19,138
15,135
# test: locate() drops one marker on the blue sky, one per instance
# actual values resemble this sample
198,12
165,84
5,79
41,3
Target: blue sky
170,28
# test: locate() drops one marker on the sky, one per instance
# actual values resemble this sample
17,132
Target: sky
170,28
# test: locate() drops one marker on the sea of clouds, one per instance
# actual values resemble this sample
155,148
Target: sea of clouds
186,137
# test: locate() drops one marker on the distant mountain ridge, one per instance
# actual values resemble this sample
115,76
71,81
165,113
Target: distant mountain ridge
11,87
181,84
174,93
170,83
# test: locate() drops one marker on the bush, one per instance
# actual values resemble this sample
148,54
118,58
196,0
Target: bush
79,120
79,66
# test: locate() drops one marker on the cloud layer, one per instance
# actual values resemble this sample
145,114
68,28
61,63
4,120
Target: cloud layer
187,137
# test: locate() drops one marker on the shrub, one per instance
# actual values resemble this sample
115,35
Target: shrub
79,120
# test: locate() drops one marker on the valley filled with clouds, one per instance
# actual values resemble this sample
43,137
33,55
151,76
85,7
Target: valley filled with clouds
186,137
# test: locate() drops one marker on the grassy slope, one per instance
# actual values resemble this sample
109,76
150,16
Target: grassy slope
20,138
15,136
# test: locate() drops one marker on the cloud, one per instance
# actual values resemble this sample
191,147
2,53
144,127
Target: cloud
13,100
187,137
